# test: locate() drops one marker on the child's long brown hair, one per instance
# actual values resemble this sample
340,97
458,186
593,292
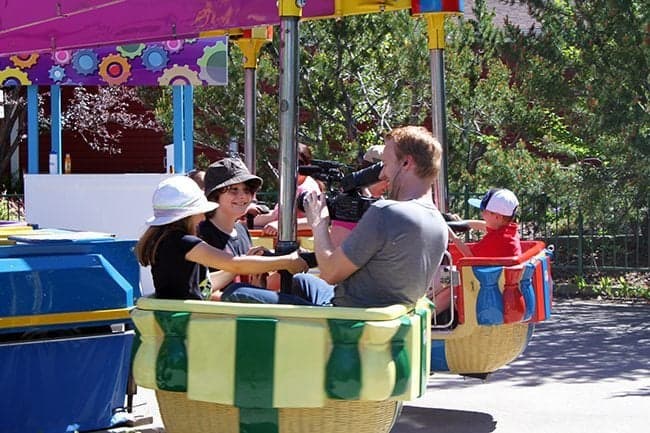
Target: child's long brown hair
145,249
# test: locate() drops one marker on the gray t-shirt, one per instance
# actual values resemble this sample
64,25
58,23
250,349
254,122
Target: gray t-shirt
397,245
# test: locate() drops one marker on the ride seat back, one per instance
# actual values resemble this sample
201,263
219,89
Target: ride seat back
498,290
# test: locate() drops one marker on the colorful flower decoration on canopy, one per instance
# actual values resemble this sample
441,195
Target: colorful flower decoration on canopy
174,46
131,51
13,77
56,73
24,61
62,57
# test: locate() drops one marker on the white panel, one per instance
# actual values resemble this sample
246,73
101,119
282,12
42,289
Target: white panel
112,203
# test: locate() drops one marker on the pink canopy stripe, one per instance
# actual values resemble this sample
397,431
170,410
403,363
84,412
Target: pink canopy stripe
47,25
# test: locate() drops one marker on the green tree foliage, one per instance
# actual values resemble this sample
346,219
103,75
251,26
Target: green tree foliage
559,109
359,77
497,135
362,76
591,67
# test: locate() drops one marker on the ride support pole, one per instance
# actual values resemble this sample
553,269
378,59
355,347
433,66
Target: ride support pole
436,43
251,44
290,12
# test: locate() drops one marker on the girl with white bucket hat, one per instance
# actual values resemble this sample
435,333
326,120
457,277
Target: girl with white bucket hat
179,259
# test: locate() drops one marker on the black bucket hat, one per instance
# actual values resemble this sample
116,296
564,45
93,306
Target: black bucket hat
226,172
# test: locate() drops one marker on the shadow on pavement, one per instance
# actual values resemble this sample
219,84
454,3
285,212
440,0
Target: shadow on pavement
421,419
584,341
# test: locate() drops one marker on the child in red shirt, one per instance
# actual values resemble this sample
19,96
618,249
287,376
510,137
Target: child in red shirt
498,209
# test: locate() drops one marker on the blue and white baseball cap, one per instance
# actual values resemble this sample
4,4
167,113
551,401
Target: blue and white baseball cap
497,200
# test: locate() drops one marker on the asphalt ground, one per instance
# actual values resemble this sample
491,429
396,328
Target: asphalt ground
585,370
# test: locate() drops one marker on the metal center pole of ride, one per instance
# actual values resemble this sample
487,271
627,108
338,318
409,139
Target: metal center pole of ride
250,110
289,70
250,45
436,33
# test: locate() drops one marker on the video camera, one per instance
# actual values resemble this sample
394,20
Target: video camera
345,202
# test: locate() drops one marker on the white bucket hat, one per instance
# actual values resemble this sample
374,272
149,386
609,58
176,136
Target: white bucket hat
497,200
176,198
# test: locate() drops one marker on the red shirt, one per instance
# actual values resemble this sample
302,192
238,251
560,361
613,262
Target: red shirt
501,242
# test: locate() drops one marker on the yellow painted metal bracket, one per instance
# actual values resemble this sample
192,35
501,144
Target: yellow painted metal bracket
290,8
436,30
252,42
234,32
357,7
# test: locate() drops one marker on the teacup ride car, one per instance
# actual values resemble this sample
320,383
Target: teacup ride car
227,367
497,302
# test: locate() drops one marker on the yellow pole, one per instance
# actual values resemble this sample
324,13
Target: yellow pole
251,43
436,31
290,8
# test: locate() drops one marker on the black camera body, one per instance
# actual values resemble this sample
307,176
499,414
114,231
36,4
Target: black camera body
344,199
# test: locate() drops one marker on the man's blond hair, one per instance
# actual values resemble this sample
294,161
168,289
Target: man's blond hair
419,143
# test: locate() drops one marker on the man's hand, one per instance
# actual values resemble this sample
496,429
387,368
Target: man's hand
316,209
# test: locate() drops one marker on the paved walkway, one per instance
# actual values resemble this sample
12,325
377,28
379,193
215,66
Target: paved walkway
585,370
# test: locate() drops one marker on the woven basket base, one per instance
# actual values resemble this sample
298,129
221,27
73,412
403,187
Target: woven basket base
487,349
181,415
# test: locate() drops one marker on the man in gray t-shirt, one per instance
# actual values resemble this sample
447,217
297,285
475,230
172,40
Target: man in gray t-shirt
391,255
397,247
